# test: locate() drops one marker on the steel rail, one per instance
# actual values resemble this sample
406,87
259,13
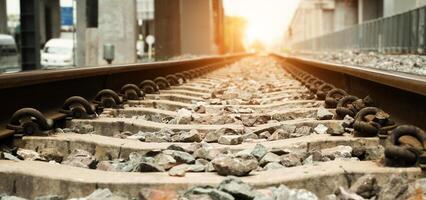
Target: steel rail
402,95
46,90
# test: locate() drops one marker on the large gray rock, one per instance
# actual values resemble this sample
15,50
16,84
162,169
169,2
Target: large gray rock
335,129
347,195
191,136
259,151
212,136
31,155
347,121
165,161
249,136
237,188
178,170
284,193
366,186
302,131
80,158
397,188
206,151
279,134
321,129
206,193
268,158
180,156
215,135
237,166
288,129
148,167
157,137
337,152
106,165
324,114
184,116
196,168
52,154
230,139
291,160
104,194
8,156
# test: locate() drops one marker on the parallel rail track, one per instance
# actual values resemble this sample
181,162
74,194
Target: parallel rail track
275,115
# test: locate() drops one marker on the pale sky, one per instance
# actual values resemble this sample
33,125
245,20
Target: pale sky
267,19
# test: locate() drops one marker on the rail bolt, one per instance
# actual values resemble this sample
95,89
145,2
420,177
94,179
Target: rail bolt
316,85
172,79
180,78
323,90
406,147
344,107
149,87
131,92
162,83
363,127
108,98
333,96
79,108
187,75
29,121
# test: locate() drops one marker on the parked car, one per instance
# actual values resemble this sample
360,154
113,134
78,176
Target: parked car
9,57
58,53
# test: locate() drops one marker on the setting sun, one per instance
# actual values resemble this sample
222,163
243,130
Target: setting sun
267,20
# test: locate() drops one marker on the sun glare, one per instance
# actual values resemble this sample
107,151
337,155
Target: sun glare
267,20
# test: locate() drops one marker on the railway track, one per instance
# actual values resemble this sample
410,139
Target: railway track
244,128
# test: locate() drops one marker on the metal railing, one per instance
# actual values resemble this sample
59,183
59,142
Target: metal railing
401,33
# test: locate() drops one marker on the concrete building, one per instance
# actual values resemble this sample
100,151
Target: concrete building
369,9
3,17
234,34
188,27
50,23
102,22
318,17
392,7
145,14
314,18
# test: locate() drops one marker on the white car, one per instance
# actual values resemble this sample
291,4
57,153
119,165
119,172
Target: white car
58,53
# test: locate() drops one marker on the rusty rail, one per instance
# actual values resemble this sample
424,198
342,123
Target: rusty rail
402,95
47,90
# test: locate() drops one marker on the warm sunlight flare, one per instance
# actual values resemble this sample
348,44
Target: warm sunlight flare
267,20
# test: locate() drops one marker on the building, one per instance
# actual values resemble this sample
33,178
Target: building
101,22
318,17
315,18
145,15
188,27
234,34
3,17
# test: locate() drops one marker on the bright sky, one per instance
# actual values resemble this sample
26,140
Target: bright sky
267,19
